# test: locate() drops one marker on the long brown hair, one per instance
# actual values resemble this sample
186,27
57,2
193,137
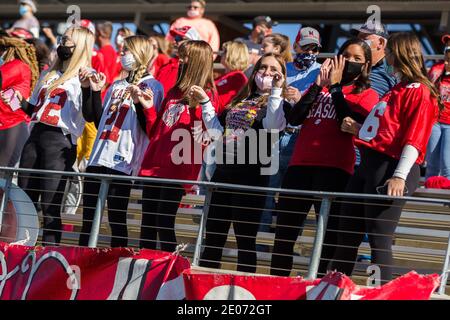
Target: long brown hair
278,39
408,60
250,88
19,49
199,67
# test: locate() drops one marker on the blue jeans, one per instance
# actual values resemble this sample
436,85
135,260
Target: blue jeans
438,151
286,146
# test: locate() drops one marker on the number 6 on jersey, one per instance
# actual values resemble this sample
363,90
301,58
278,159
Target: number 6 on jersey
370,127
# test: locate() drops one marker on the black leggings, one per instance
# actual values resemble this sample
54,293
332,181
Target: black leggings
12,141
160,204
240,208
118,197
47,149
293,210
378,219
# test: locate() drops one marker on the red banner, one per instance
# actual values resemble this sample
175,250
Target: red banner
202,285
77,273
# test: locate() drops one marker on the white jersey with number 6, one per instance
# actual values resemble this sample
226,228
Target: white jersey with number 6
62,107
121,143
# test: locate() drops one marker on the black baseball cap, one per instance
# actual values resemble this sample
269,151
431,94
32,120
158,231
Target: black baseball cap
266,20
371,28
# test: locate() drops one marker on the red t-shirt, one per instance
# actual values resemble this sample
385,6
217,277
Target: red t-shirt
17,75
160,61
405,115
228,86
444,90
167,74
321,141
110,58
98,61
163,153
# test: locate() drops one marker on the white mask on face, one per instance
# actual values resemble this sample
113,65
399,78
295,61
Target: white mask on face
119,40
128,62
263,83
193,13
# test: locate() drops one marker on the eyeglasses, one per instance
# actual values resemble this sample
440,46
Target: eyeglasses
310,47
178,38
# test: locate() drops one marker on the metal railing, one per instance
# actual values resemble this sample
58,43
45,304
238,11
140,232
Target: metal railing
317,228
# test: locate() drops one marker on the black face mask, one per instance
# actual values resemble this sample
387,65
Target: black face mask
64,52
351,71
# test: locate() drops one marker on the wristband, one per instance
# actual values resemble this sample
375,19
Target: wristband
335,88
205,102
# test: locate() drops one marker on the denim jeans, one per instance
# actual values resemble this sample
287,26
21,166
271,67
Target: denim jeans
438,151
286,145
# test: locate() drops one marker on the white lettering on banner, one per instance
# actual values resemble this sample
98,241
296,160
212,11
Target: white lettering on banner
126,287
323,291
25,267
172,290
227,292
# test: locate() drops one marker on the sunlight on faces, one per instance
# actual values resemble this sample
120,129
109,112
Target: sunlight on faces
269,65
268,47
354,53
309,48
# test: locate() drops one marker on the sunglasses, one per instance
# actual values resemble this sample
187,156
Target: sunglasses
178,38
310,47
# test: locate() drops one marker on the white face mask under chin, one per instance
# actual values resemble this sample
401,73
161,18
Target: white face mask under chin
128,62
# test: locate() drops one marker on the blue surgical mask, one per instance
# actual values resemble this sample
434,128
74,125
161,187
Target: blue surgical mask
23,10
304,61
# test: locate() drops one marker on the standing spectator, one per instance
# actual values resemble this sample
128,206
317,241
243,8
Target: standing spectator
324,156
19,71
279,44
301,74
57,106
103,40
27,9
122,33
394,138
181,112
258,109
261,27
168,74
122,141
205,27
376,35
438,156
163,47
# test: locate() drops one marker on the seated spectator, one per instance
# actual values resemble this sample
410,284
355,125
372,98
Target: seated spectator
27,9
205,27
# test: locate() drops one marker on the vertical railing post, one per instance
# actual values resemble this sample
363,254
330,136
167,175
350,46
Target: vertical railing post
318,240
202,227
5,198
445,268
93,237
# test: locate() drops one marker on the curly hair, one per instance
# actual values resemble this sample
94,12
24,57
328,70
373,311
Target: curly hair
19,49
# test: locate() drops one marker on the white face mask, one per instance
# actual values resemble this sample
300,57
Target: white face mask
263,83
119,40
193,13
128,62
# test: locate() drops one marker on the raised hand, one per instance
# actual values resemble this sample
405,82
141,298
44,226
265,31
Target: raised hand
144,97
350,126
97,81
196,94
323,78
278,80
337,69
293,95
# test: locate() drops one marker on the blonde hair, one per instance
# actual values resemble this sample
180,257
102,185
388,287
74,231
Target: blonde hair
284,43
199,68
408,60
143,52
81,57
25,52
126,32
164,46
236,55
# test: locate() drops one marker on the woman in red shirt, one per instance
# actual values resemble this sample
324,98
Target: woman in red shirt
393,138
234,58
173,153
324,156
19,72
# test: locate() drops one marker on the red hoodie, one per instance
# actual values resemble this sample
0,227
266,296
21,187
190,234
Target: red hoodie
162,153
228,87
167,74
16,75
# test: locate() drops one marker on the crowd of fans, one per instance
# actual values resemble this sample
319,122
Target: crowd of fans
360,122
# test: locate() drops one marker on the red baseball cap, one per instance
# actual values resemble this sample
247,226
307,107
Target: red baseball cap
21,33
88,24
185,32
445,38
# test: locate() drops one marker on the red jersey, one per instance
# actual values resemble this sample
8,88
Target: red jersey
321,141
163,155
160,61
442,81
228,86
98,61
16,75
110,58
167,75
405,115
